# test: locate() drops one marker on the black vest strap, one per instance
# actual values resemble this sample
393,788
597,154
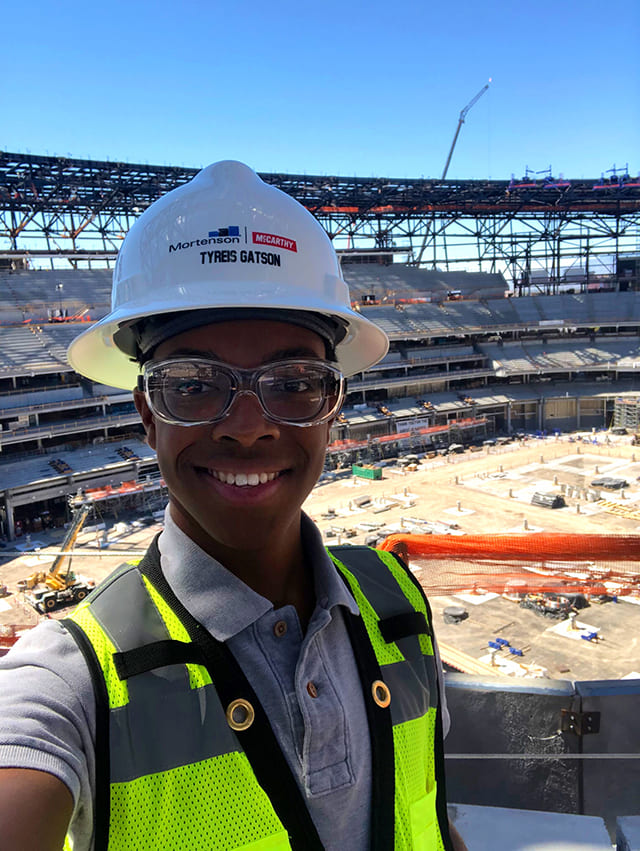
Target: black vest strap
102,810
156,655
381,734
258,741
402,626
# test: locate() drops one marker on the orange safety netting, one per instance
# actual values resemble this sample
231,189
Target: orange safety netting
349,444
522,562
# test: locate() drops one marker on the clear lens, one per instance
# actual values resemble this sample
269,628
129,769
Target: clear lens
195,391
189,391
297,392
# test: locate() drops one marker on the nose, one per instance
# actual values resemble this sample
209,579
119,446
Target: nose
245,422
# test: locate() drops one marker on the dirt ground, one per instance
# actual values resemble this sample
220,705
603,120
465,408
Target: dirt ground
490,491
481,492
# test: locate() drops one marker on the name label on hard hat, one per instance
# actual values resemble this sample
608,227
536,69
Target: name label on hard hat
265,258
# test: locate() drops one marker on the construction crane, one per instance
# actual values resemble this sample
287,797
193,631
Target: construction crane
46,590
463,115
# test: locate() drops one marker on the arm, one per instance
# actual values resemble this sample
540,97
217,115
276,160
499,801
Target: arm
456,839
35,810
46,742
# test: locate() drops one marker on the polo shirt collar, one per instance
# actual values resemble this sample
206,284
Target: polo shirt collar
224,604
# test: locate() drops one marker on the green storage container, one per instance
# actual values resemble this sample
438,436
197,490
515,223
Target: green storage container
366,472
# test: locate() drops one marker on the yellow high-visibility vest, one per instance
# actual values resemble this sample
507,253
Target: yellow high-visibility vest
185,756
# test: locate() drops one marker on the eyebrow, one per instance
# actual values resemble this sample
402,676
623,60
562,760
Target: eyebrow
280,354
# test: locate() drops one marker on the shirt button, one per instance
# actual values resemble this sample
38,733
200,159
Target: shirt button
279,629
311,688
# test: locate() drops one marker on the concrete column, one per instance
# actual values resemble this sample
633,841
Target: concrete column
508,417
578,413
540,413
11,529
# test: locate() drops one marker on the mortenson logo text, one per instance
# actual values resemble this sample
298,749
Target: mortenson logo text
227,235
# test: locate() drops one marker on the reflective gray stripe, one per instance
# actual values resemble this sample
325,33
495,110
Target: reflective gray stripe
413,688
166,723
382,591
413,683
376,580
166,727
127,613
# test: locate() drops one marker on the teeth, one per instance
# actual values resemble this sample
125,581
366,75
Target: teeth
242,480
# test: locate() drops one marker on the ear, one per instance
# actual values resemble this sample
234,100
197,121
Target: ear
140,401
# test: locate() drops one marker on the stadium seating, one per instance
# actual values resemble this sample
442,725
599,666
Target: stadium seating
439,353
40,295
435,345
30,349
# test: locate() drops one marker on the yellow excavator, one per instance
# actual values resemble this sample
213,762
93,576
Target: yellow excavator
47,589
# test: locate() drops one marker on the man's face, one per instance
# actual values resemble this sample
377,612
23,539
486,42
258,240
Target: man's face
200,464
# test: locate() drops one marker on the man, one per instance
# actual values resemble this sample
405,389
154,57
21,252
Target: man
241,687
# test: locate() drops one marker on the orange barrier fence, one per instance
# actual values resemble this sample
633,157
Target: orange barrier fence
132,486
522,562
346,445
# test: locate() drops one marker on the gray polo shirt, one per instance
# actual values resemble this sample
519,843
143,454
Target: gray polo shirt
308,685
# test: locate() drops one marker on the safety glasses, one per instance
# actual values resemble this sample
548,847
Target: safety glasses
198,391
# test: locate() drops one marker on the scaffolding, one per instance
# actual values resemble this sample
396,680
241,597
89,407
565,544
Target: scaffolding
538,233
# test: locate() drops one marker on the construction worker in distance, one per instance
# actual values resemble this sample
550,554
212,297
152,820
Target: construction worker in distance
241,687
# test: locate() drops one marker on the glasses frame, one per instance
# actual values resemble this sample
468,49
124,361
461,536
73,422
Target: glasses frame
244,382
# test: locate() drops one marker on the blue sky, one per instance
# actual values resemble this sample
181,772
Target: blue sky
351,88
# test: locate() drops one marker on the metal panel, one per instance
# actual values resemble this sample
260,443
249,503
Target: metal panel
513,727
611,786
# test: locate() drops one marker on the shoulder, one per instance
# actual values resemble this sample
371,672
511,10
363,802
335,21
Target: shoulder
48,650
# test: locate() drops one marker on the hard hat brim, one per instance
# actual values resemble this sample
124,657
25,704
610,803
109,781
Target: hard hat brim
95,355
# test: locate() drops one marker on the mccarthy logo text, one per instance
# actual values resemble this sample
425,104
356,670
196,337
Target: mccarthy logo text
276,241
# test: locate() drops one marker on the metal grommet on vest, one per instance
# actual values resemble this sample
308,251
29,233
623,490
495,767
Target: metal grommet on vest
381,693
240,714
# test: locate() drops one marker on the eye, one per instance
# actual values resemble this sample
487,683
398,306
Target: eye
294,385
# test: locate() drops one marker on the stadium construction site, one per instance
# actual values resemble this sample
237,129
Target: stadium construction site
516,588
507,406
495,448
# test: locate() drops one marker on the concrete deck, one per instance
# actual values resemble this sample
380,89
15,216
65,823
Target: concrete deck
502,829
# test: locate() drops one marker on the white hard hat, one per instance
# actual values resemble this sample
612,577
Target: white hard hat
224,240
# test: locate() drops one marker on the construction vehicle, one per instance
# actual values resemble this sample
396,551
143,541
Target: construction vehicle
47,590
550,605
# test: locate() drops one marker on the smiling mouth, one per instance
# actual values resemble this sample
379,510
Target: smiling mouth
243,480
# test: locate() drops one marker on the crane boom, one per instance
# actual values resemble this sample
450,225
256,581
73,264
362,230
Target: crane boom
51,588
463,115
79,517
